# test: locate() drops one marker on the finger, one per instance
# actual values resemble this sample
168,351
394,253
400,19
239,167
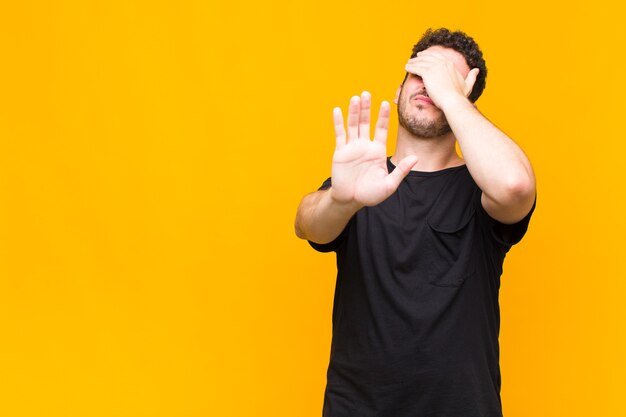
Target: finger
411,68
353,118
340,131
434,54
470,80
417,69
402,170
364,116
427,58
382,124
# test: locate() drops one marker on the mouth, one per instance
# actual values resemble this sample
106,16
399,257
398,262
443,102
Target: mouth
423,99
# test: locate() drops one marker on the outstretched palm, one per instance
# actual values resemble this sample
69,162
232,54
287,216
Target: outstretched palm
359,171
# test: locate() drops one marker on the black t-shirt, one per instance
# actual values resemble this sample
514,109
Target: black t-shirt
415,315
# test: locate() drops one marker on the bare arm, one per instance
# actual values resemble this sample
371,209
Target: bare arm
497,164
321,219
359,174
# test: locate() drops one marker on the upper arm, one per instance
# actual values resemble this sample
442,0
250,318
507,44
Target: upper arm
506,233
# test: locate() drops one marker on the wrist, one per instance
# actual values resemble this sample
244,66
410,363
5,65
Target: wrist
455,102
348,207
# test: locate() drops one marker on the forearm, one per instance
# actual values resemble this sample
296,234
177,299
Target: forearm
321,219
497,164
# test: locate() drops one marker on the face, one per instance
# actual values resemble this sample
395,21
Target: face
419,117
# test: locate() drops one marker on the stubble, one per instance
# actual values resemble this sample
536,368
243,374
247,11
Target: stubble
412,119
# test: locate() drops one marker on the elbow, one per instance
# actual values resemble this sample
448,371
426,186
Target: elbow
519,189
299,233
512,199
298,225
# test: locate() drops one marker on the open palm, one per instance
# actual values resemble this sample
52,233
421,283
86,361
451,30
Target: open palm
359,171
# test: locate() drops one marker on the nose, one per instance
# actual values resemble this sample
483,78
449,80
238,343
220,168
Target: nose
416,77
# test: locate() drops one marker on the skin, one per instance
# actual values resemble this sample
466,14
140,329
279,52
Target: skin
436,90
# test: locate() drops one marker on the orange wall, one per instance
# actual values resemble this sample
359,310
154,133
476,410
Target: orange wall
152,158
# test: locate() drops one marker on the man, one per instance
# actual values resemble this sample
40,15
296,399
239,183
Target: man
420,239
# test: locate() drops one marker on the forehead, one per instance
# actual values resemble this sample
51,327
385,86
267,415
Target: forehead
452,55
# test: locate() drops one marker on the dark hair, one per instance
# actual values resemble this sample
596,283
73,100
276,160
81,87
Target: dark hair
463,44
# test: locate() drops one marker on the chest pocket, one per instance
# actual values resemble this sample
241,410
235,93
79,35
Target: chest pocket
450,240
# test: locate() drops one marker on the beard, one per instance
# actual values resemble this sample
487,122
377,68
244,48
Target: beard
417,124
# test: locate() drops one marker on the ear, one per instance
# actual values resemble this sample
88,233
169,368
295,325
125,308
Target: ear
470,80
395,100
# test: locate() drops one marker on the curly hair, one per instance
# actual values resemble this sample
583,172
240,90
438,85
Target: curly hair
463,44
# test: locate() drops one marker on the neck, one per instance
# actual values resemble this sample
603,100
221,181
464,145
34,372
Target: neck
434,154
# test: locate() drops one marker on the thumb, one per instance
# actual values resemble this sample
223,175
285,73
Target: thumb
470,80
402,170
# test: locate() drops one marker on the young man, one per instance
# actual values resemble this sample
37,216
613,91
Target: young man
420,239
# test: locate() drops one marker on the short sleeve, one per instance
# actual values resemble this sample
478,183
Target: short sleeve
325,185
335,244
505,234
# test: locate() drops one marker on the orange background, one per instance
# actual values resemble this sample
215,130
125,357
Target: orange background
152,158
